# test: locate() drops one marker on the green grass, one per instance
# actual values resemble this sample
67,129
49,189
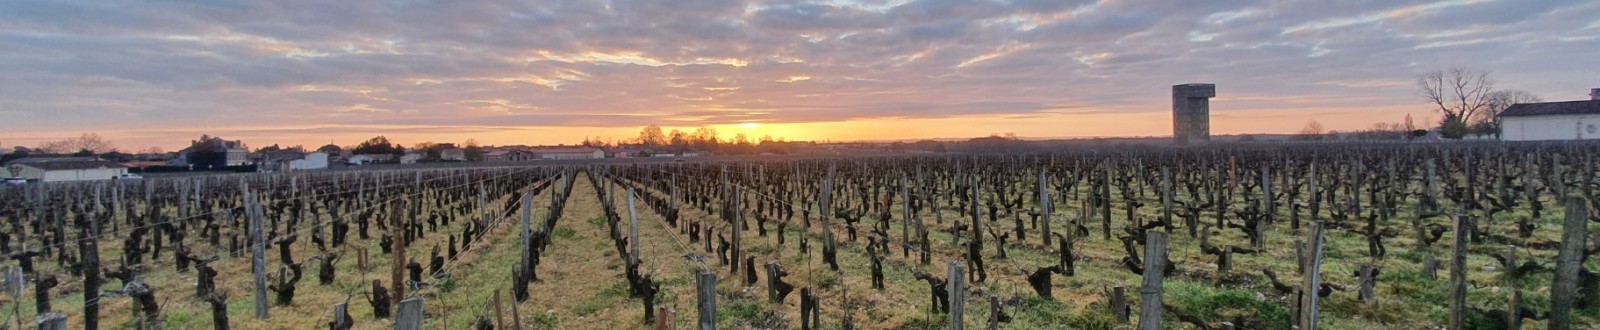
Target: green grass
563,232
1213,303
547,321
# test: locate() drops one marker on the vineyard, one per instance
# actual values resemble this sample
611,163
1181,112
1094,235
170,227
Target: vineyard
1336,236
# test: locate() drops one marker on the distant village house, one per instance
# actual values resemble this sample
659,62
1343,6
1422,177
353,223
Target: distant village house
59,169
212,153
1545,121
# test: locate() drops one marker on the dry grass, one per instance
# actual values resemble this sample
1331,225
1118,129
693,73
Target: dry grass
582,284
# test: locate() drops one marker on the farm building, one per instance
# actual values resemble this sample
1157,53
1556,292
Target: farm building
362,159
509,156
65,169
570,153
274,161
410,158
1570,120
212,153
453,155
1191,112
312,161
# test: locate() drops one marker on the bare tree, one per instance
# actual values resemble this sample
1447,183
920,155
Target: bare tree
1312,131
1459,93
678,140
1500,100
88,141
651,136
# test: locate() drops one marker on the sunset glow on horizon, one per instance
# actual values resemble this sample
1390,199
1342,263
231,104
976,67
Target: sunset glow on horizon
310,74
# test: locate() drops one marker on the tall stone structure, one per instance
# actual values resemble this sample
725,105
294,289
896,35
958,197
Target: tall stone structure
1191,112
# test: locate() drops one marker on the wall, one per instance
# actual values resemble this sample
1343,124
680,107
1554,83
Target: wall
238,157
1191,112
1555,127
597,154
85,174
313,161
25,172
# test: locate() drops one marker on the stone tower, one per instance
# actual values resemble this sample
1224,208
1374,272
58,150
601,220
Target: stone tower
1191,112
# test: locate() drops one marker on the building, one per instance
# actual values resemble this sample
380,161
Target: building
312,161
58,169
453,155
410,158
570,153
362,159
212,153
276,160
511,155
627,153
1191,112
1545,121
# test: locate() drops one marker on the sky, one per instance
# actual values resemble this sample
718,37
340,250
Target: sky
312,72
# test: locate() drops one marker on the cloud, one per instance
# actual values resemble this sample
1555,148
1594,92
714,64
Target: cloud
282,69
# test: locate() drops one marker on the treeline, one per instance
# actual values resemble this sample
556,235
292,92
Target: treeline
702,140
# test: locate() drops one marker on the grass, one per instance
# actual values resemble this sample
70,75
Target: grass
581,279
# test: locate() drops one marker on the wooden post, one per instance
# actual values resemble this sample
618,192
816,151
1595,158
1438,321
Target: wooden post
994,312
633,232
1155,262
1316,197
1224,264
1568,262
1513,307
1105,201
258,261
341,315
1267,208
1296,307
772,281
706,289
905,221
397,268
1119,304
409,315
957,290
516,316
1166,199
735,253
51,321
1458,272
90,258
1313,277
1300,256
361,259
526,235
1430,267
499,317
14,283
1365,292
1044,207
666,318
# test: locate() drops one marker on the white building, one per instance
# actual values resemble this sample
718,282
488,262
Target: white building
360,160
313,161
65,169
570,153
1570,120
453,155
410,158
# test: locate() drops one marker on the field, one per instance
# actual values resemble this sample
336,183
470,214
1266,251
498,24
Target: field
861,238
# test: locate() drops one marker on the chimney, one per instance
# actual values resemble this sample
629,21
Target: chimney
1594,93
